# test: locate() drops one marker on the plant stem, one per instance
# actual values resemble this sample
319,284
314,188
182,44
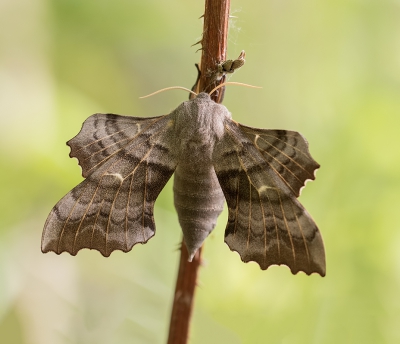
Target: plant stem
214,44
183,298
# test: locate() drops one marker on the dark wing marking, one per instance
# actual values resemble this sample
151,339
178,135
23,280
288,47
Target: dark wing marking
127,162
266,223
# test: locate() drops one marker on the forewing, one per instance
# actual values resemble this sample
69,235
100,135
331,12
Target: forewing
104,135
266,223
128,161
287,154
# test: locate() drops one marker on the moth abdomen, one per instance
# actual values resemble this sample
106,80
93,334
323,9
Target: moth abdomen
198,200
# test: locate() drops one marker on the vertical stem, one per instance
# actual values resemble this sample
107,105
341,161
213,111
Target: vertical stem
214,42
183,298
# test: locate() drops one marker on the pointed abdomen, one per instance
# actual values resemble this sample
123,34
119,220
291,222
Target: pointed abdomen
198,201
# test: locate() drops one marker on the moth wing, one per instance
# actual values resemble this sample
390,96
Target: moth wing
103,136
266,223
287,154
127,162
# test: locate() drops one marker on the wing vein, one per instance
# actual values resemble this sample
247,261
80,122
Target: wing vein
118,132
287,156
144,202
110,213
127,214
117,160
232,134
287,227
66,222
95,222
261,134
302,234
265,228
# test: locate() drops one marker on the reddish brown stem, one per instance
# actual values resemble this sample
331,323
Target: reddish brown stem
183,298
214,42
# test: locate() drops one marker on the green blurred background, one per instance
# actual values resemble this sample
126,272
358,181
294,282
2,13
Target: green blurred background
329,69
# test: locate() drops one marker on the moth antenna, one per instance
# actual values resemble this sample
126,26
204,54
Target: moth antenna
232,83
169,88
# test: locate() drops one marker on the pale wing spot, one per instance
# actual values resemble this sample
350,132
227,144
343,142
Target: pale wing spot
264,188
116,175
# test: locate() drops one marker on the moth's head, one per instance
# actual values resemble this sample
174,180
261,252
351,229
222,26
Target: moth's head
203,105
204,101
203,96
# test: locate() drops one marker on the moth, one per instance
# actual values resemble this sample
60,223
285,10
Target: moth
126,162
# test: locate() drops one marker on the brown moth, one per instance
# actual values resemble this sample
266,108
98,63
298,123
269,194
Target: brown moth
128,160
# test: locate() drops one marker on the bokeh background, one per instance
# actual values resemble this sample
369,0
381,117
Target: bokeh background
329,69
